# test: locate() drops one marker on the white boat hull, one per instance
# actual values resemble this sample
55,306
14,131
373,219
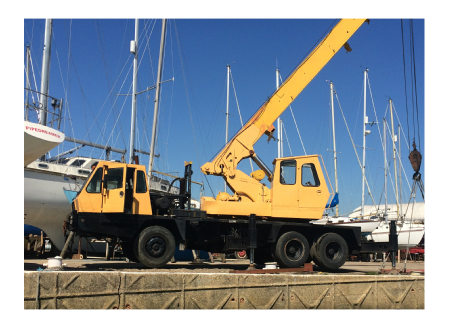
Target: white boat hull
367,226
45,204
38,140
409,234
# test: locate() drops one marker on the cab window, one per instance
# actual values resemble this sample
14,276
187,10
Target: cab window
288,170
95,184
115,178
309,176
141,186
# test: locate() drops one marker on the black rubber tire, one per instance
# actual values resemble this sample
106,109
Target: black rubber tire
129,251
292,250
312,248
331,251
313,251
155,246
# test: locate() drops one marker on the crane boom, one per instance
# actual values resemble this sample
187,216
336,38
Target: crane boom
241,145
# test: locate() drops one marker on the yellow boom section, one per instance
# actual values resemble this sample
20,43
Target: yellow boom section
241,146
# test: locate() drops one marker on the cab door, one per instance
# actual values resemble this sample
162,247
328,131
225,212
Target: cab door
312,188
285,188
113,191
141,200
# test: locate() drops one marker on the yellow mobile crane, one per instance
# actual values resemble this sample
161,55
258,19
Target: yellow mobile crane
298,188
274,224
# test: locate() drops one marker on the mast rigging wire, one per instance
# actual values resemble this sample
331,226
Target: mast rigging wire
354,147
98,28
415,79
295,122
239,111
188,102
404,77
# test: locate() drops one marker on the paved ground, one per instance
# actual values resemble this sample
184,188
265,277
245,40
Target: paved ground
100,264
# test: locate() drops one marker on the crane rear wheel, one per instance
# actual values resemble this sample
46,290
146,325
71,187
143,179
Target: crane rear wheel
292,250
331,251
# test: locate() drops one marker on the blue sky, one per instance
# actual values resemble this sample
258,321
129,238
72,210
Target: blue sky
192,120
255,48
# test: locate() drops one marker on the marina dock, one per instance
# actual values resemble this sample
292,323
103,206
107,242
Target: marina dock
100,284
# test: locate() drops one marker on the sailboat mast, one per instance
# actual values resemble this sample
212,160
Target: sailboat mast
334,144
393,151
228,106
399,173
46,71
155,114
385,168
364,143
28,84
134,50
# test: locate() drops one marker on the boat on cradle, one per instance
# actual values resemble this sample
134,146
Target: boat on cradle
410,230
45,204
409,233
414,212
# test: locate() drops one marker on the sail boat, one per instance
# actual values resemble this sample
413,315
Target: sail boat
50,185
367,225
38,137
46,180
410,232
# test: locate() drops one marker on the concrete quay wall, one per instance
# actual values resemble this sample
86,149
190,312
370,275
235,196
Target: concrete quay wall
133,290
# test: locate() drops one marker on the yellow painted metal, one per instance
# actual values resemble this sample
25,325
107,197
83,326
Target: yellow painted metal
111,201
223,196
241,146
89,202
258,175
213,207
299,200
295,200
285,199
312,199
113,196
247,188
141,201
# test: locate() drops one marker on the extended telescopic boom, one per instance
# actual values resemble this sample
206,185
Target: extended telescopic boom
241,146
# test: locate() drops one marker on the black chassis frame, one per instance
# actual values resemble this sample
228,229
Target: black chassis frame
194,230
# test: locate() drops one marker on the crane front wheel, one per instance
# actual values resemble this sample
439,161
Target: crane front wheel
156,246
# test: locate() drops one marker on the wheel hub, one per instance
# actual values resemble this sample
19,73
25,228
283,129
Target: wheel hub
155,246
333,250
294,250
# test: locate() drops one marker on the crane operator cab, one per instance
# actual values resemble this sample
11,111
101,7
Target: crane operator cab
115,188
298,190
